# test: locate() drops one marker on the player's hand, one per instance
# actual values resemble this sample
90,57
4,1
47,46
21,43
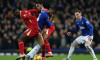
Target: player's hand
89,37
69,33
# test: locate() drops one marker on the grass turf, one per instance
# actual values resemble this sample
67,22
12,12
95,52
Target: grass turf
58,57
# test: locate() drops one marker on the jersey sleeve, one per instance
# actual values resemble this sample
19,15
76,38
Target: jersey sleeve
90,26
48,23
75,29
34,11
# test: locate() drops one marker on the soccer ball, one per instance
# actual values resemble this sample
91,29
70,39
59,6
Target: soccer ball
37,57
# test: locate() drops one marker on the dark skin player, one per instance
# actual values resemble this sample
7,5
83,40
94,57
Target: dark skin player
26,38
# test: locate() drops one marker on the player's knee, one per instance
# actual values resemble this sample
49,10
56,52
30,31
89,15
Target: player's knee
72,44
87,45
20,38
45,36
42,44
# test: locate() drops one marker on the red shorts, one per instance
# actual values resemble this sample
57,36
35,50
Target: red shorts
32,33
50,30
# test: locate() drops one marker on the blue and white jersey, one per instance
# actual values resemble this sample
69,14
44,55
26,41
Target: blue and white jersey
43,19
85,26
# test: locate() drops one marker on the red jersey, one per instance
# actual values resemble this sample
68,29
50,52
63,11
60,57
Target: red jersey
28,19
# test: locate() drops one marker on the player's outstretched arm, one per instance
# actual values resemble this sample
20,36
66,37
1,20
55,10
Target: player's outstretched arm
34,11
75,29
90,26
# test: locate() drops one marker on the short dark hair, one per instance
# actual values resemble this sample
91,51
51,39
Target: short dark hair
13,11
39,2
76,10
52,9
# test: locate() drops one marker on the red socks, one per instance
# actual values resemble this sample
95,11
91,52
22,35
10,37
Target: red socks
21,46
43,51
23,58
47,45
25,48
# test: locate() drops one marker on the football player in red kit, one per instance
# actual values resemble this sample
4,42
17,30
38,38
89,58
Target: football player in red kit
32,31
47,31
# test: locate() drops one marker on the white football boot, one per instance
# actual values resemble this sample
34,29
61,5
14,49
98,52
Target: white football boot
65,59
21,56
95,59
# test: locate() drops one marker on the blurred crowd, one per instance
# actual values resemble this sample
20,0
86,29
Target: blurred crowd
11,28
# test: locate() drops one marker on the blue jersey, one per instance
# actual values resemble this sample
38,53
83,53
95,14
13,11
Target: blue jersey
43,19
85,26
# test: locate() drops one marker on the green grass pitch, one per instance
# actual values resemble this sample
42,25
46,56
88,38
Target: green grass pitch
58,57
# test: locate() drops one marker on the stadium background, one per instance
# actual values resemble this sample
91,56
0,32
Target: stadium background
11,28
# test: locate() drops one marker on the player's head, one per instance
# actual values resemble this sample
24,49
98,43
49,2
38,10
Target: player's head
78,14
16,12
39,5
51,11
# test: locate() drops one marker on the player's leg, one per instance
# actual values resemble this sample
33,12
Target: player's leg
47,45
77,41
47,33
40,39
87,45
33,51
25,48
21,41
35,33
72,47
36,49
42,44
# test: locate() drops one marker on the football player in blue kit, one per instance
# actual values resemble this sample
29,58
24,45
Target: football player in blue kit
86,37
